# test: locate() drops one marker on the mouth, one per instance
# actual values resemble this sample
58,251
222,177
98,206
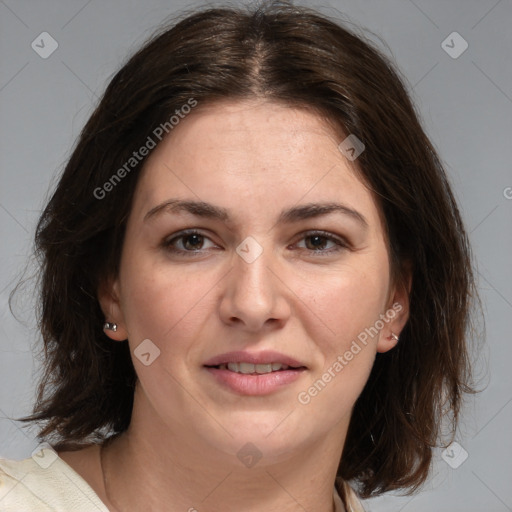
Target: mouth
255,369
259,373
255,363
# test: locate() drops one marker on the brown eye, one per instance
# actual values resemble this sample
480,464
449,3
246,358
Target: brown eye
188,243
192,242
316,242
321,243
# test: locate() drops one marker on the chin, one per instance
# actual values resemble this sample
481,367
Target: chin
273,437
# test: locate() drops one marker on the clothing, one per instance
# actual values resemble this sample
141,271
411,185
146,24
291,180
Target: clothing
45,483
48,485
350,499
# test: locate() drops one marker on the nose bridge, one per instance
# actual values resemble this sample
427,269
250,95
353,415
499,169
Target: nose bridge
253,282
253,296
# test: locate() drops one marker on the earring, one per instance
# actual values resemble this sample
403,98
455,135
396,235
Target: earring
109,326
394,337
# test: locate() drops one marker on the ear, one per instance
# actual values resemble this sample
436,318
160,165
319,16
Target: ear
396,315
109,298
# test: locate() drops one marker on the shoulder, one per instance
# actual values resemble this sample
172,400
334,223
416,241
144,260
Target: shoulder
44,482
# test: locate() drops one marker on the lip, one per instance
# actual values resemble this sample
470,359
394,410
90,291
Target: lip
262,357
255,385
250,384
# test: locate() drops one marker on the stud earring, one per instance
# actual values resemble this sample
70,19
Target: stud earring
394,337
109,326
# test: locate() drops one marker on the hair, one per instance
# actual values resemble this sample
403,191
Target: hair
299,58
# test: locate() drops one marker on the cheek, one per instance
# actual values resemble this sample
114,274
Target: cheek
347,305
159,301
345,302
339,315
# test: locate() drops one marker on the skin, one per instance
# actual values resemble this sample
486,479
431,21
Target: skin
254,159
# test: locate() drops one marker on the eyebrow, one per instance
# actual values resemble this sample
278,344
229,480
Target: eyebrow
295,214
198,208
312,210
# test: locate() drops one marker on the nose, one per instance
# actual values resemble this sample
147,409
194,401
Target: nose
254,298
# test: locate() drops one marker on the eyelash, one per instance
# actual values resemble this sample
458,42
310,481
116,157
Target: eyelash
341,243
180,236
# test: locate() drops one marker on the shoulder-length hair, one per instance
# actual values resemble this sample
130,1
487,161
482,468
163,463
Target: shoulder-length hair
299,58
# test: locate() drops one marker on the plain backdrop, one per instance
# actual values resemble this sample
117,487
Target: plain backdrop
465,102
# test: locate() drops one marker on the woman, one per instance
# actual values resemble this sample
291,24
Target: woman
255,281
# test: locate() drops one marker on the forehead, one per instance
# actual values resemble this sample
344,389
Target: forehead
250,154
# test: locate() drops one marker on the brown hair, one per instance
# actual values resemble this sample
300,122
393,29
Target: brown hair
295,56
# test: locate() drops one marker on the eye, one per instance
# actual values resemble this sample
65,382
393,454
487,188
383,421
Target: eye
321,242
189,242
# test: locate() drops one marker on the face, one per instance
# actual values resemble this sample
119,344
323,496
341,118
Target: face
254,262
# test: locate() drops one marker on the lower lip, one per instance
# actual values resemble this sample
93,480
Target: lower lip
255,385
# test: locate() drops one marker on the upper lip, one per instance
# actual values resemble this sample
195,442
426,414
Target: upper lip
263,357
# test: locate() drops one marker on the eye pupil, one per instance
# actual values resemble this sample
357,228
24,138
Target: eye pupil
192,242
315,242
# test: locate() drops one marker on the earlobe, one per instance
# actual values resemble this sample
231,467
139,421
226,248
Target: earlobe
114,326
397,315
387,342
114,331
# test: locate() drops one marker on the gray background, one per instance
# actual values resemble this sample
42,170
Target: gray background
466,107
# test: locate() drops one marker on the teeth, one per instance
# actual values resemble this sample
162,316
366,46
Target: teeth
246,368
249,368
233,367
263,368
